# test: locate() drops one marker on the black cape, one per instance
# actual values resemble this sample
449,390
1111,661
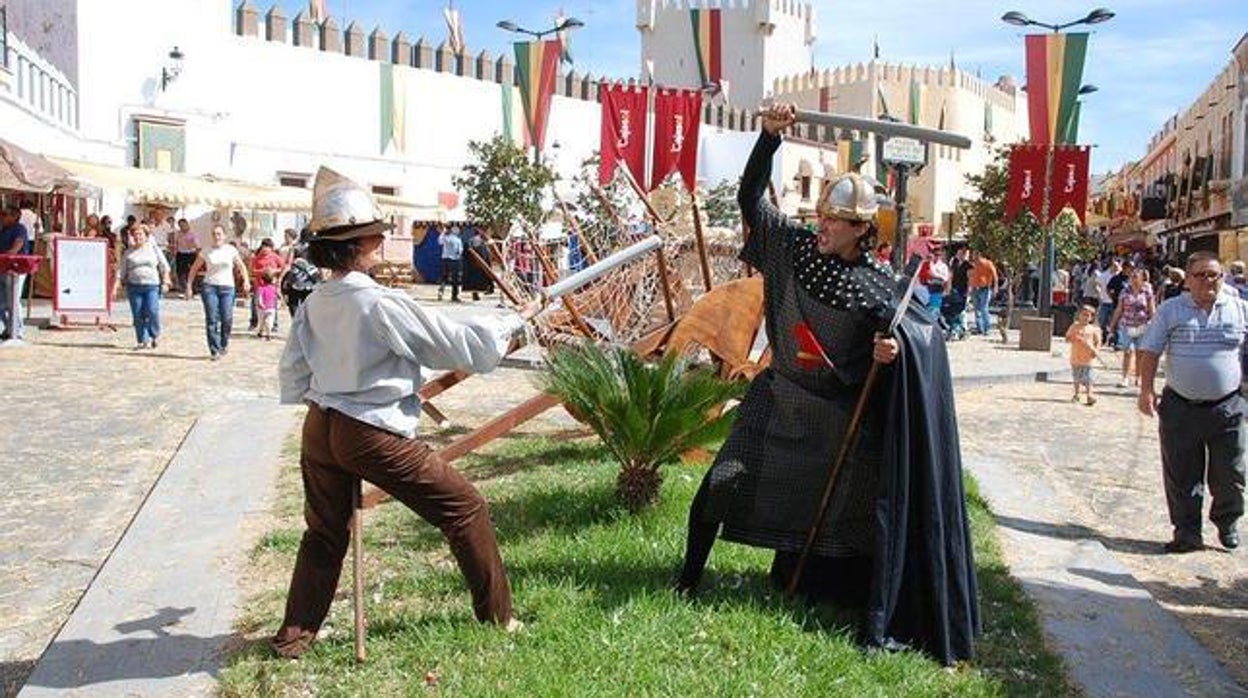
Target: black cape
923,590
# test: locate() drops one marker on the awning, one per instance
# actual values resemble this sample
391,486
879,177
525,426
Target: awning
175,190
22,170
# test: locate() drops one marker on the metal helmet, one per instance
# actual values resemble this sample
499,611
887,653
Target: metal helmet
849,196
343,209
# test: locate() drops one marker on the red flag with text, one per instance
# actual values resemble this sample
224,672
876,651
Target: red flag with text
1026,181
1070,181
623,131
677,116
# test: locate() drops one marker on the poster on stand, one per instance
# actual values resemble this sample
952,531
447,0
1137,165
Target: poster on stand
81,276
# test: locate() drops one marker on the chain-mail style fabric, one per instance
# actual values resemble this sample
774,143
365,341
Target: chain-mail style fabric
766,482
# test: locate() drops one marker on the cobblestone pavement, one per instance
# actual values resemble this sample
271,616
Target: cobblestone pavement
91,424
1104,462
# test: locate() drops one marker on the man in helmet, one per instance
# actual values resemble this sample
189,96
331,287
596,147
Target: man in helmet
828,303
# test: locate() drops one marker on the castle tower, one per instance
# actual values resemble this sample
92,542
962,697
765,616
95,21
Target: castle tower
759,41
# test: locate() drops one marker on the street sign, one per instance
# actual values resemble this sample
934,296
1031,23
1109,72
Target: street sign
904,151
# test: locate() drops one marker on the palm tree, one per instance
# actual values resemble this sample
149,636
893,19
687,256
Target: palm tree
647,414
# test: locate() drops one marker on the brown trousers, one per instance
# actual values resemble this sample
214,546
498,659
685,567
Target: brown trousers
338,450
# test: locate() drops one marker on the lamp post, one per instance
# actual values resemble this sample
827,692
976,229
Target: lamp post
170,72
565,23
1018,19
562,24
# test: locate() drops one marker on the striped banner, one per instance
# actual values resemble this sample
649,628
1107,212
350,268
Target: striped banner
708,44
537,65
1054,72
916,101
393,109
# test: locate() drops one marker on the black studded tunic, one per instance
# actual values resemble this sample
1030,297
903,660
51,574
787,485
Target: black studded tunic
766,482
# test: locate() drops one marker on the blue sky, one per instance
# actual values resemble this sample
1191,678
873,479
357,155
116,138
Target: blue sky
1151,61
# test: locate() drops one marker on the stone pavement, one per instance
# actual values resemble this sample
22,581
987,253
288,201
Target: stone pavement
136,407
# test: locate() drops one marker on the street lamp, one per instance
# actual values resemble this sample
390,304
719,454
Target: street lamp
1019,19
565,23
170,72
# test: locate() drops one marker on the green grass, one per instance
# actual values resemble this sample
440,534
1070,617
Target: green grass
591,583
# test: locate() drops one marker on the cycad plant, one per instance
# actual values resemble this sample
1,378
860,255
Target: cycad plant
647,414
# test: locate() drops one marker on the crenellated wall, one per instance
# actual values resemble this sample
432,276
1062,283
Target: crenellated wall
301,32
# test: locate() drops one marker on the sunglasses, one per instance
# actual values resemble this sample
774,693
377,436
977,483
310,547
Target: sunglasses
1207,275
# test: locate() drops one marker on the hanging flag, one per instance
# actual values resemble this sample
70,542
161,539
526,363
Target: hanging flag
536,66
1054,72
565,38
455,29
316,8
517,136
916,100
1026,181
1069,188
393,108
677,116
1070,133
708,44
623,131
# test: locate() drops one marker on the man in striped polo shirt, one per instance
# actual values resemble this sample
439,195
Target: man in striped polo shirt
1200,410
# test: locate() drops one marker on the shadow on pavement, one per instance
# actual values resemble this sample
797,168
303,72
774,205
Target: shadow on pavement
1069,531
74,664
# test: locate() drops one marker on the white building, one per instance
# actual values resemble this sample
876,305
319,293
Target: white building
948,98
760,41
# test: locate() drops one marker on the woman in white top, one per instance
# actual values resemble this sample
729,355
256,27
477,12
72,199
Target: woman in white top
356,355
217,293
145,272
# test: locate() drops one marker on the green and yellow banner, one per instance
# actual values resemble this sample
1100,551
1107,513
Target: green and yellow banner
1054,72
393,108
708,44
537,65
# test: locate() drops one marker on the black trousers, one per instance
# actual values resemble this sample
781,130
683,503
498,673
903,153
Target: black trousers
1202,447
452,272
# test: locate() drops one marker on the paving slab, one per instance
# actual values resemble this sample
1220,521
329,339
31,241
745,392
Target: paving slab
1115,638
157,620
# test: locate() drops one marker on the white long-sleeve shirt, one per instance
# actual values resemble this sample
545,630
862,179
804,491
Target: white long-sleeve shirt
362,349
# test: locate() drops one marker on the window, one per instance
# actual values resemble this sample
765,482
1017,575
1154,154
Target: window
805,183
293,179
161,144
385,191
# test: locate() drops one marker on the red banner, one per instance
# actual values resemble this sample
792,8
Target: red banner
623,131
677,116
1026,181
1070,181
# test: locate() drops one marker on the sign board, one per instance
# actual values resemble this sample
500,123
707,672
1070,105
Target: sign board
81,279
904,151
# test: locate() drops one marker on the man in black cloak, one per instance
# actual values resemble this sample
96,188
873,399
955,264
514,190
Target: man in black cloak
896,540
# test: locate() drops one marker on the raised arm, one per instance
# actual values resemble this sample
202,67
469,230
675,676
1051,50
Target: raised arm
751,195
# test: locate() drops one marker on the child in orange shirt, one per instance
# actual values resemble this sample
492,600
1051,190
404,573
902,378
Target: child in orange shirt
1085,339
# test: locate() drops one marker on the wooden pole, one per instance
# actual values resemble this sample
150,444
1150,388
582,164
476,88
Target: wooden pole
700,240
847,445
576,227
357,568
667,291
568,303
503,288
606,203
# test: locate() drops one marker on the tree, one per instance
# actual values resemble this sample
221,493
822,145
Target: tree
1012,245
647,414
721,206
502,185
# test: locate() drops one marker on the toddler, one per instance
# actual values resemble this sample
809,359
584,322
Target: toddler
266,303
1085,341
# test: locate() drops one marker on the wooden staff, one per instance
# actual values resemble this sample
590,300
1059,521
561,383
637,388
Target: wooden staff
667,291
847,444
502,287
357,567
700,240
576,227
606,203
